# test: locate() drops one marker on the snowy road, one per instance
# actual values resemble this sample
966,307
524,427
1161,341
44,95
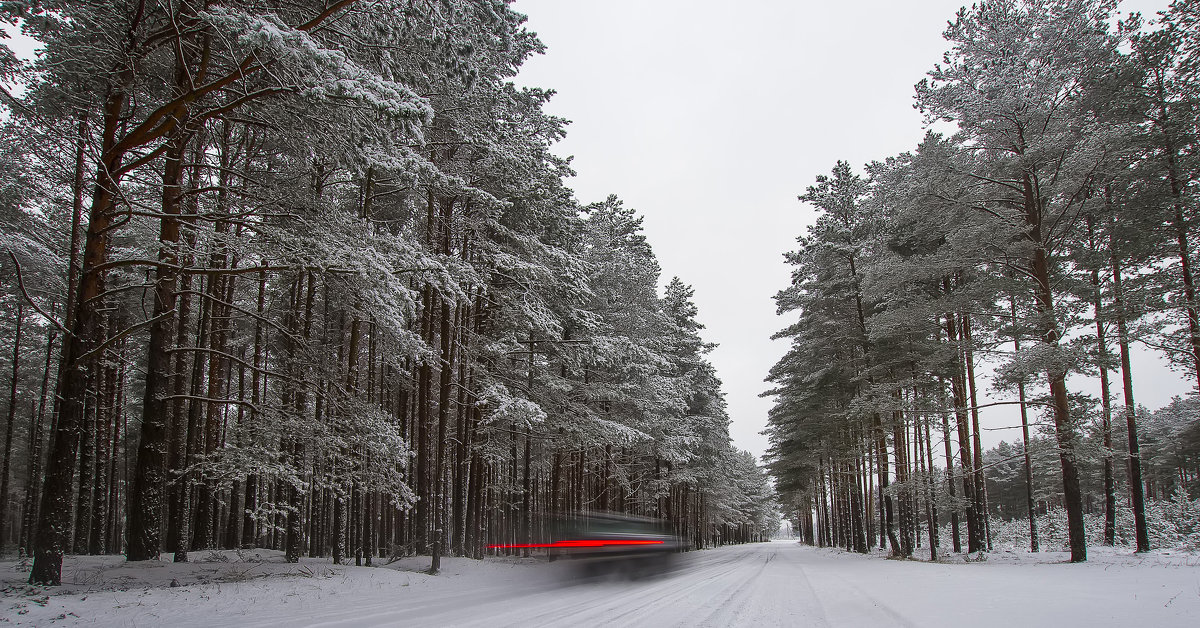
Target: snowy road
783,584
755,585
767,584
760,585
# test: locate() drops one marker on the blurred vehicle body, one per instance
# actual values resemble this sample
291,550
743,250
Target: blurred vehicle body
607,543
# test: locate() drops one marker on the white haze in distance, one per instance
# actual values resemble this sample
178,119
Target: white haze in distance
709,118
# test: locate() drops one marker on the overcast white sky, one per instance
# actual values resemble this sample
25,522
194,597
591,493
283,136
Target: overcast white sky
710,117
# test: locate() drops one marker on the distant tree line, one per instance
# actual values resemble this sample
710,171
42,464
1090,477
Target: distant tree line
1050,231
305,276
1170,455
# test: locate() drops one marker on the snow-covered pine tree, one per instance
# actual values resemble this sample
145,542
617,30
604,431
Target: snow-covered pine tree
1015,81
346,273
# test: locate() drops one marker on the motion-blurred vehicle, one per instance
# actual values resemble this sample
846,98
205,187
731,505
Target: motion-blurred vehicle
611,544
607,543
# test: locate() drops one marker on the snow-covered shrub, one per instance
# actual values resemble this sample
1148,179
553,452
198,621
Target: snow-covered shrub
1172,524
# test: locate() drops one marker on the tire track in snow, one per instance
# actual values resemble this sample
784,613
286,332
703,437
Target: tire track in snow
735,598
846,594
626,603
770,597
758,585
728,570
895,616
812,593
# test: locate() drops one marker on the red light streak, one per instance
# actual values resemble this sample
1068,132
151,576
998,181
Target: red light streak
577,543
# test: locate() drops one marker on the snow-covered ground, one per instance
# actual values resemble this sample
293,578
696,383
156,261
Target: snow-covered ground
769,584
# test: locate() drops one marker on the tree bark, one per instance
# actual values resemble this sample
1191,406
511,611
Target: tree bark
36,434
959,390
149,480
1110,493
1033,533
12,419
1179,225
980,485
1064,430
54,514
1141,531
930,491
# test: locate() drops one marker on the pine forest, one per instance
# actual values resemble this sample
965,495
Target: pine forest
1044,229
313,312
306,276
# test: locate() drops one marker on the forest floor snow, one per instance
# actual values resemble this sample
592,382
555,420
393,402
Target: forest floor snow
765,584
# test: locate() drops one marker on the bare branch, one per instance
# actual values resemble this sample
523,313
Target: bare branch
21,286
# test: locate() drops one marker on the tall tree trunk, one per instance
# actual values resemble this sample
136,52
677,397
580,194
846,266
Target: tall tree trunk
106,411
525,537
218,287
1179,225
889,525
12,419
461,447
149,480
192,421
180,497
1110,493
930,505
980,485
445,377
1135,459
959,389
1064,430
422,425
257,391
36,435
857,512
119,463
1033,533
54,514
296,494
902,467
955,534
87,468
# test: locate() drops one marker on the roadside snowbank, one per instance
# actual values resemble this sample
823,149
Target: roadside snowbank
231,587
